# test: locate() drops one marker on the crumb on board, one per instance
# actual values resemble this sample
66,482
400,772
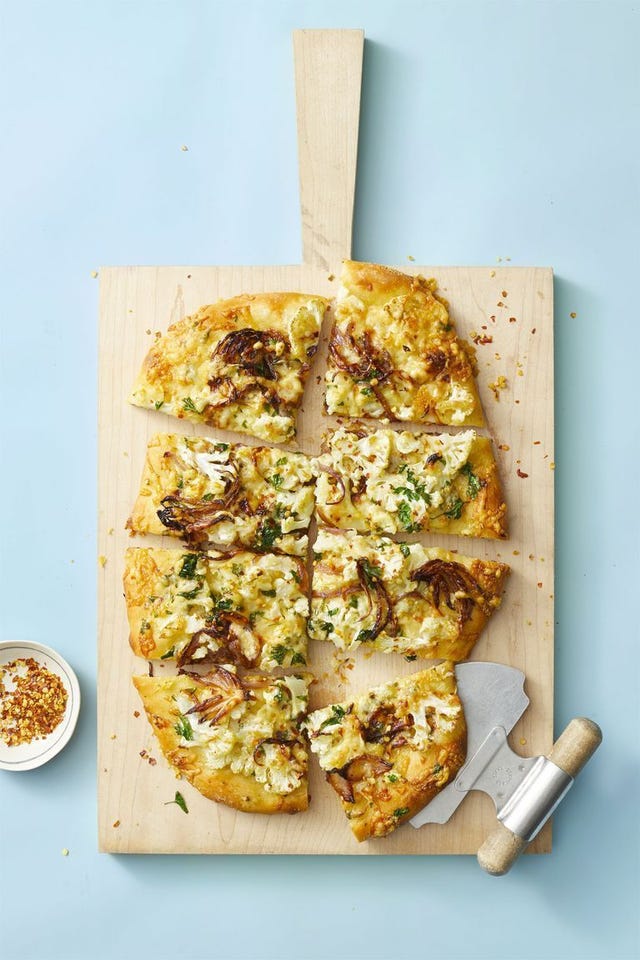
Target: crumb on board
148,331
540,583
116,823
500,384
552,465
516,553
522,741
110,531
113,736
504,446
331,277
504,294
102,560
492,274
136,713
480,339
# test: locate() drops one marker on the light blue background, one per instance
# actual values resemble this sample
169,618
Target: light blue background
488,130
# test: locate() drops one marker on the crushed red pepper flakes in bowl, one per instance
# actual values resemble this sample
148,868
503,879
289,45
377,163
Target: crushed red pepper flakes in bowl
33,701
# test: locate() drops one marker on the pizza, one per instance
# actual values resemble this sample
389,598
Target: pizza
401,482
388,752
226,494
394,352
238,364
247,609
400,597
237,740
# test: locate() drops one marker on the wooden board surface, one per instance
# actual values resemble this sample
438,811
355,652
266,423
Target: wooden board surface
516,307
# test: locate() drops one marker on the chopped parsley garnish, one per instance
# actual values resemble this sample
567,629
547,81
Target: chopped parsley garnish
317,556
366,391
406,517
221,447
209,496
158,404
268,532
145,626
365,635
400,812
411,656
455,510
223,603
179,801
279,652
281,462
436,769
190,594
371,572
298,658
268,593
168,654
326,626
474,484
253,616
296,576
417,490
237,570
404,550
392,778
353,601
188,404
183,728
276,481
332,613
189,564
337,714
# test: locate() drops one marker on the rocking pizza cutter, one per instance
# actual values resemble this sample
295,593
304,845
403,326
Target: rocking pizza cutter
525,790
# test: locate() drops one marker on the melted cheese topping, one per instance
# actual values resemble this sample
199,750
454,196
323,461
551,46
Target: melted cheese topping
274,497
178,594
406,361
183,376
395,482
343,611
235,742
337,732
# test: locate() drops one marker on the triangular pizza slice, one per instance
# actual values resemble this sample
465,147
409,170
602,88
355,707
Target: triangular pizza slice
237,740
394,352
239,364
389,751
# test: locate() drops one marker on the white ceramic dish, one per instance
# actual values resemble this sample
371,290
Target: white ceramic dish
30,755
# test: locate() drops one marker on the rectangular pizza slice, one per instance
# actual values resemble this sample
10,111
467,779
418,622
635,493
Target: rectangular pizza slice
402,482
236,739
247,609
394,352
389,751
207,492
239,364
400,597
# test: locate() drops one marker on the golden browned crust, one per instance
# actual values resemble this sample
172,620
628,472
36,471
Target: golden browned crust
235,790
409,776
143,571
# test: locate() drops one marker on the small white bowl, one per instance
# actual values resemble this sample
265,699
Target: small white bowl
27,756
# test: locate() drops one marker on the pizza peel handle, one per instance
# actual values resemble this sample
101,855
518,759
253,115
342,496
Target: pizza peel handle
328,69
570,752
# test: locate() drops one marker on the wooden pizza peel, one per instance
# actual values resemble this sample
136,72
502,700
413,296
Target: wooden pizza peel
510,312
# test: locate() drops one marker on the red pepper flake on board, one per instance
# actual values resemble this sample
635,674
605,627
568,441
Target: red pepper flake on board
521,474
481,339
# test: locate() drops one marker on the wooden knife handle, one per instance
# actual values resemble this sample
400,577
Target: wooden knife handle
578,742
328,67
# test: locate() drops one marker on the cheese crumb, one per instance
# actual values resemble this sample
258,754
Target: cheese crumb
102,560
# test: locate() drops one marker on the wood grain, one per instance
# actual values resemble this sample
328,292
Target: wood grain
137,301
328,65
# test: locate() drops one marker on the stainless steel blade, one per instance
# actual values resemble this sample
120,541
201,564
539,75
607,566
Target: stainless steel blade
492,695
